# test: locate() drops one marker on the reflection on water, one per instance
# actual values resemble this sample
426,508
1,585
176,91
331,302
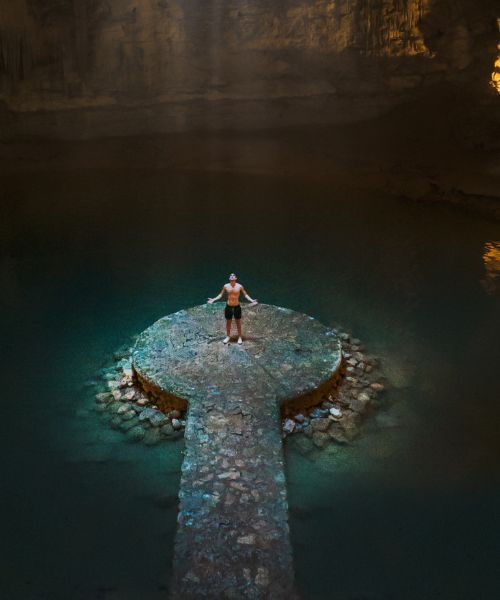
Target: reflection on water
408,512
491,259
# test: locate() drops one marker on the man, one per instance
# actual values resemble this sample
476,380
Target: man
233,307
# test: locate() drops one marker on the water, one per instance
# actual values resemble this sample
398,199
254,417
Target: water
89,258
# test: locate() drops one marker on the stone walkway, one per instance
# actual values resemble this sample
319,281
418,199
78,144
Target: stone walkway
233,537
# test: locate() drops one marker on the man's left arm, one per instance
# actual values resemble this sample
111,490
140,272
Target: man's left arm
247,296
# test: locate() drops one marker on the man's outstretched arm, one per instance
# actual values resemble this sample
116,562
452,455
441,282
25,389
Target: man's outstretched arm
247,296
210,300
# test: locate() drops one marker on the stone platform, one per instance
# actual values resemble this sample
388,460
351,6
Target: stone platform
233,539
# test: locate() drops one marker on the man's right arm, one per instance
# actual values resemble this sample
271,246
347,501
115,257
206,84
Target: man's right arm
210,300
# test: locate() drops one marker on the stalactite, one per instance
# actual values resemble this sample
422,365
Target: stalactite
16,55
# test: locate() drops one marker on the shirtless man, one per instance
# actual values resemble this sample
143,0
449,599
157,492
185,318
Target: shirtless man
233,307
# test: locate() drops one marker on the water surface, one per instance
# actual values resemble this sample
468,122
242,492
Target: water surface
90,258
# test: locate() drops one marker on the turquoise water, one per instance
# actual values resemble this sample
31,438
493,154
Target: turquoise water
409,511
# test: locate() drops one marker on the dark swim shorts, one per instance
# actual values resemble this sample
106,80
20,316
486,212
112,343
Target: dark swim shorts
231,311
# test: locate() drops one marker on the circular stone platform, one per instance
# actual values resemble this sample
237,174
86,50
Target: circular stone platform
182,354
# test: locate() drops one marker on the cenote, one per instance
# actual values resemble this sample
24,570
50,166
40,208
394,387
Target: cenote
92,258
342,158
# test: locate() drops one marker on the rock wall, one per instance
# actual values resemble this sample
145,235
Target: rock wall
128,66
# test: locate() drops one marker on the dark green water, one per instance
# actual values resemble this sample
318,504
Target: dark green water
409,512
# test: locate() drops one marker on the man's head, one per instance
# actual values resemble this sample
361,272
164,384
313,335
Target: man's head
232,277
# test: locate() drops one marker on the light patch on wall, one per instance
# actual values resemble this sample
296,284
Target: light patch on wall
491,261
495,76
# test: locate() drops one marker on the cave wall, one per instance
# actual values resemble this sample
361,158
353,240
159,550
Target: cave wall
125,66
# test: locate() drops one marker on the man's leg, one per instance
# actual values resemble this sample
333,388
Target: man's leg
237,316
228,315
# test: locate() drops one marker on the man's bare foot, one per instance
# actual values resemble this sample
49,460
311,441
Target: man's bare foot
225,340
240,341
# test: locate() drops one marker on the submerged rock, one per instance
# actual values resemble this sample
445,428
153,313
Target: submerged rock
320,438
320,424
167,430
136,434
152,436
104,398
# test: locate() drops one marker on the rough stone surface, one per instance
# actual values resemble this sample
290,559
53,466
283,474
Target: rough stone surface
233,537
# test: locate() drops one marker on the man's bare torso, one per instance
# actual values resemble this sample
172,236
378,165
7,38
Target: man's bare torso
233,293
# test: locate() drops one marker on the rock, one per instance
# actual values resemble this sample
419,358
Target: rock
308,430
317,413
335,412
364,397
142,401
320,438
123,409
130,414
320,424
127,425
176,424
103,398
117,395
350,431
229,475
300,418
326,404
368,368
152,437
147,413
136,434
377,387
167,430
174,414
129,395
359,403
350,424
288,425
115,422
157,419
352,362
105,417
114,406
249,539
338,435
356,341
262,577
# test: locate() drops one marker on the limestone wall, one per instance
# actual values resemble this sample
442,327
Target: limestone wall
127,66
